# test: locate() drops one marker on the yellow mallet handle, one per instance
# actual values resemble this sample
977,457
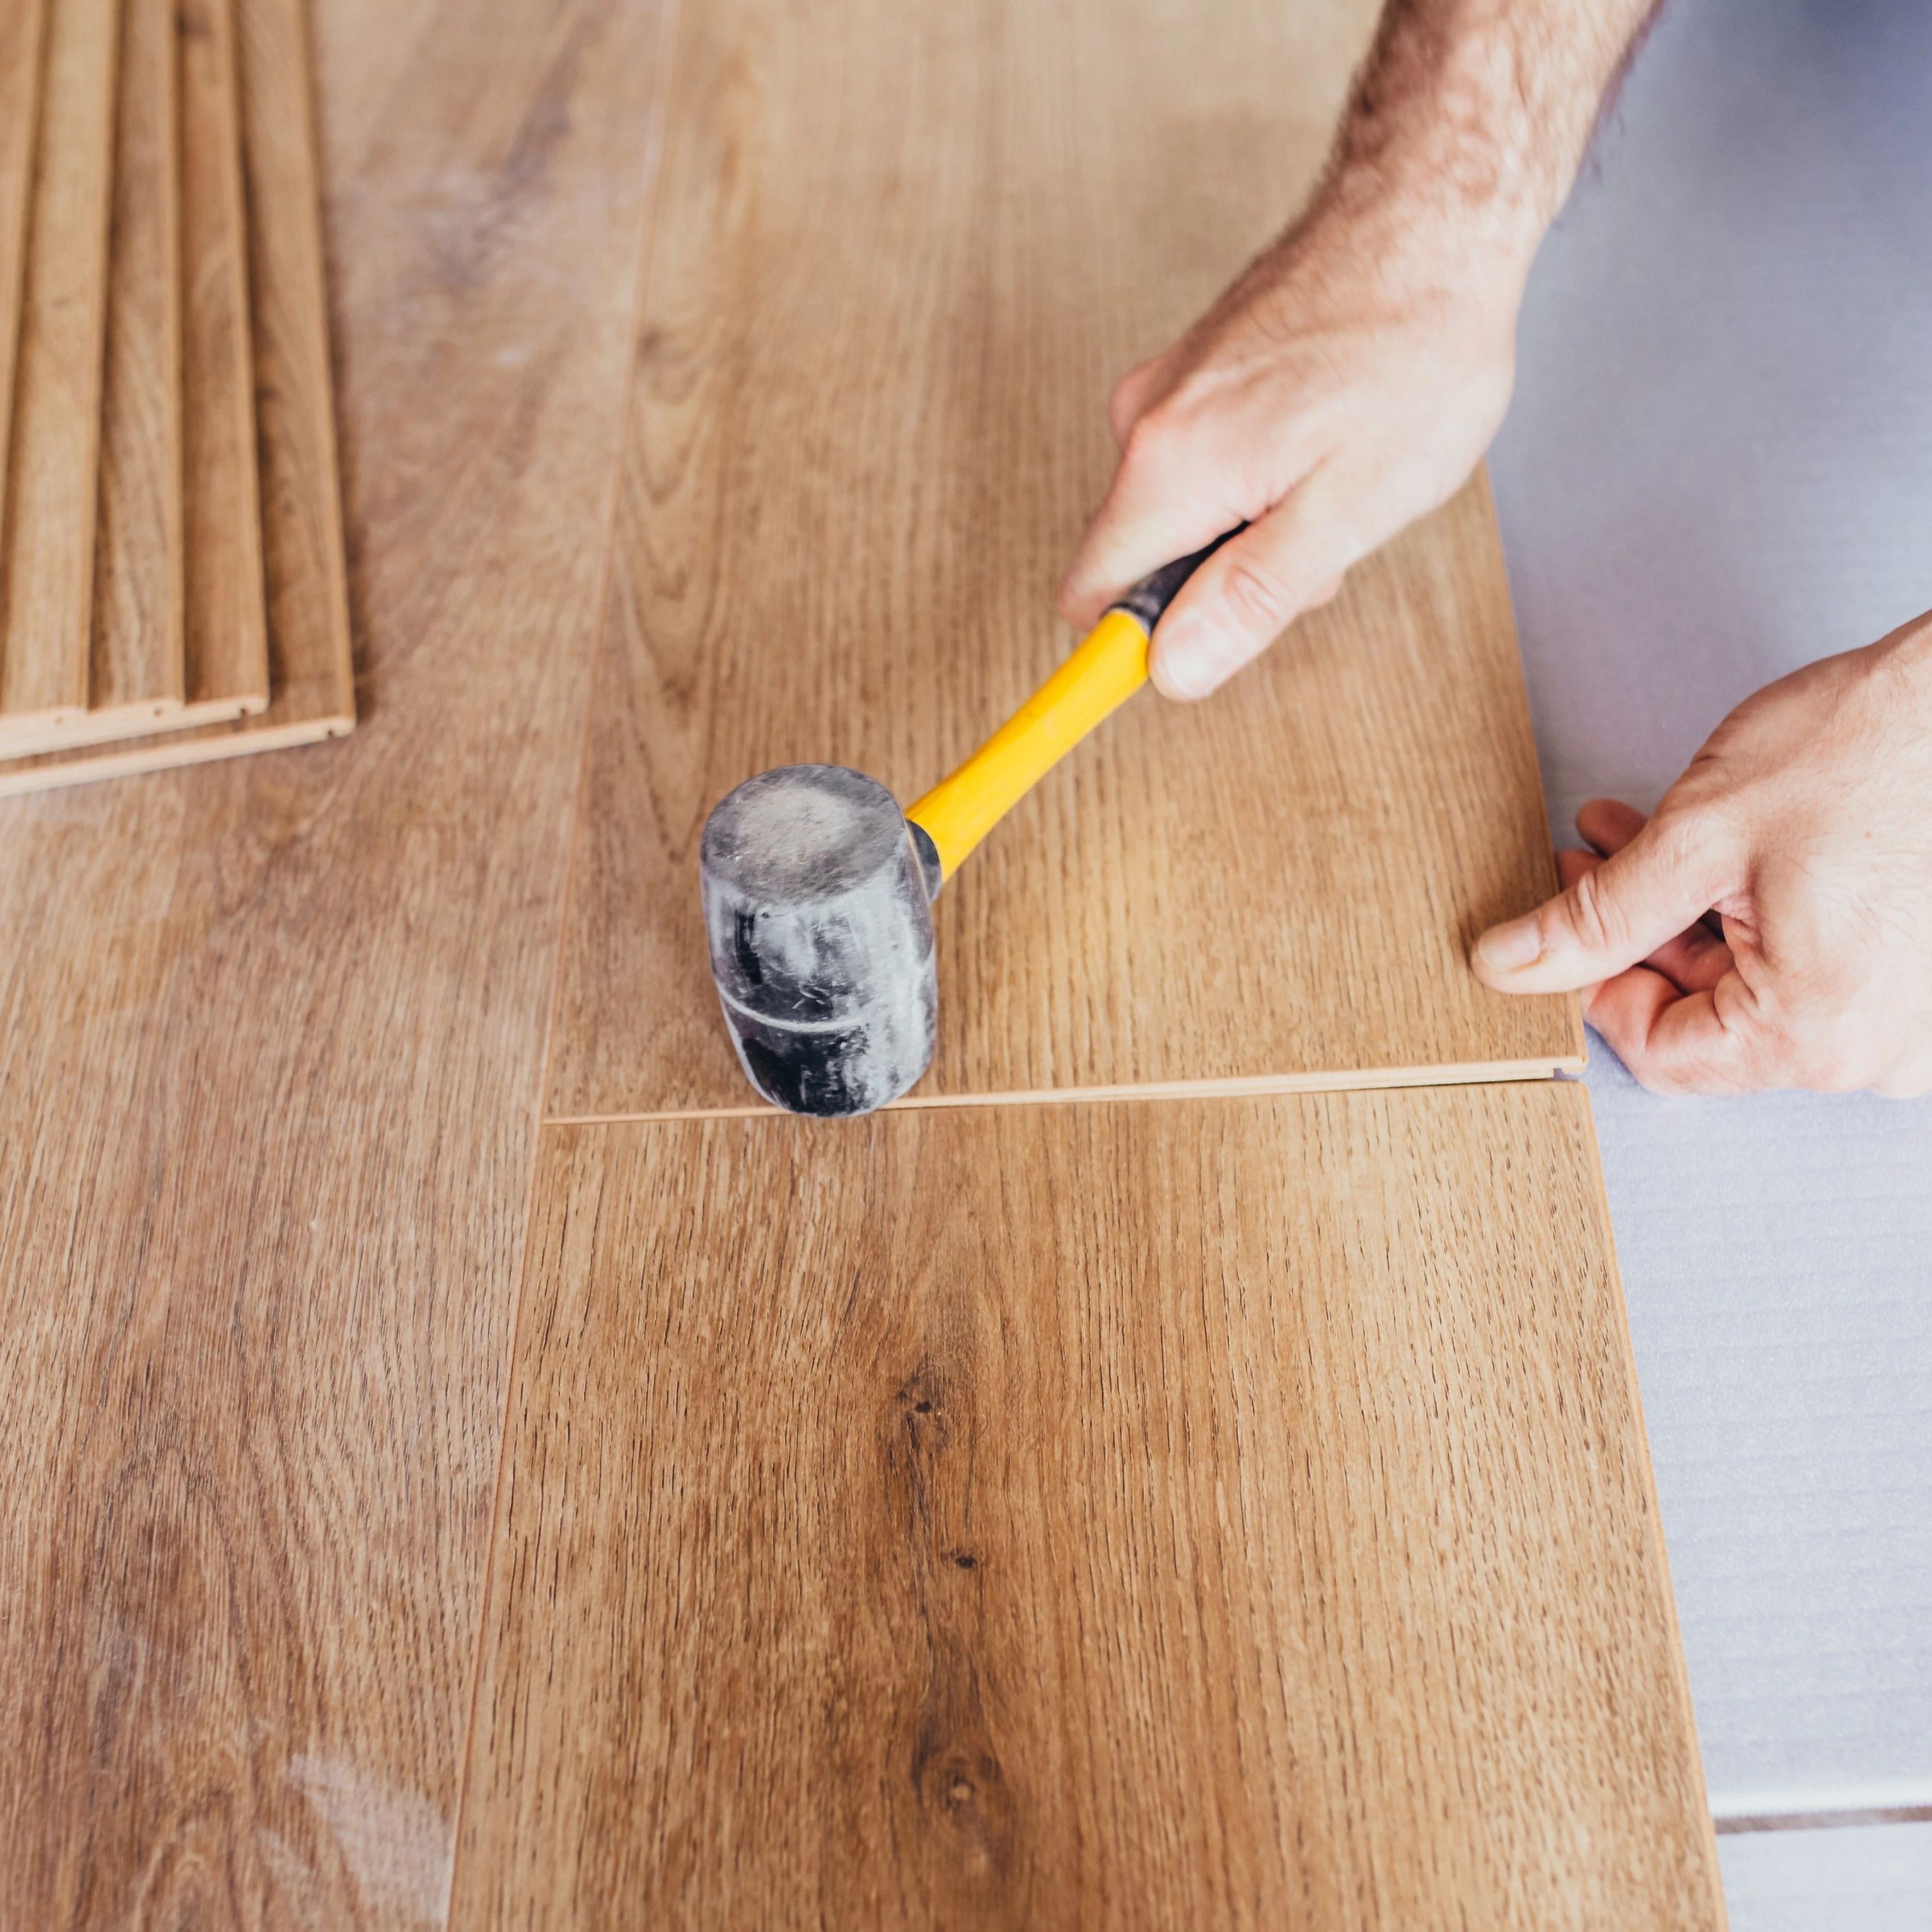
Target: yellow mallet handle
1109,666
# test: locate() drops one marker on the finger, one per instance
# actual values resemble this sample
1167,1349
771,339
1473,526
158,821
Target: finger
1168,497
1615,914
1609,824
1693,960
1678,1042
1250,590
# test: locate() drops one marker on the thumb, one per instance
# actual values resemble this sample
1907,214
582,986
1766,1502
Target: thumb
1251,590
1666,879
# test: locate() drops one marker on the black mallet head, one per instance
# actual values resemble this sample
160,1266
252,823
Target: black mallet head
818,909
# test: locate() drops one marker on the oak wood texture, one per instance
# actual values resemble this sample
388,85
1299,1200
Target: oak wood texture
1201,1512
135,670
227,642
46,539
273,1041
251,473
21,25
896,263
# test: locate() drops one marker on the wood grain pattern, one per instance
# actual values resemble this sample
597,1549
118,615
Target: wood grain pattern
1175,1514
238,460
901,252
300,494
47,542
135,672
273,1037
227,644
21,24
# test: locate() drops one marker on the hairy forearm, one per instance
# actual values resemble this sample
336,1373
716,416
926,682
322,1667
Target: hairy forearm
1353,375
1470,117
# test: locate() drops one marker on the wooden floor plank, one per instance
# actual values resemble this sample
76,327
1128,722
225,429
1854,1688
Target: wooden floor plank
274,1036
239,460
300,498
46,540
902,251
21,23
1224,1513
228,624
135,672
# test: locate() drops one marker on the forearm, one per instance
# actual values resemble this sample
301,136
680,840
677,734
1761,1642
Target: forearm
1469,120
1353,375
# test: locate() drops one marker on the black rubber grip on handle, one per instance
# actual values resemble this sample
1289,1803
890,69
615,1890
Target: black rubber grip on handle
1159,589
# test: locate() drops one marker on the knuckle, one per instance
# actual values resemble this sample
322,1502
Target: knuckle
1256,594
1153,439
1694,833
1596,922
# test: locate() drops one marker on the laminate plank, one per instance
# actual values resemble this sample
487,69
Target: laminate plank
297,687
901,251
21,24
135,673
299,495
227,644
47,542
1226,1513
273,1039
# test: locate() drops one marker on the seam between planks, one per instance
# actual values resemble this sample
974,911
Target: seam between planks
1481,1073
668,42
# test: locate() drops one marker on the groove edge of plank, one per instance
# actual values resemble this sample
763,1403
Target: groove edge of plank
1342,1080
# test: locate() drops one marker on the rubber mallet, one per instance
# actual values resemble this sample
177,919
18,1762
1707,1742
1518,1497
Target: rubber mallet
818,891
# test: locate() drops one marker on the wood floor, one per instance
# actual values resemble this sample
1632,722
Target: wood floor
1212,1512
422,1511
872,333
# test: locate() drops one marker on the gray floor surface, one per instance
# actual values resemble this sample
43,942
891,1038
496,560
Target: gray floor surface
1718,466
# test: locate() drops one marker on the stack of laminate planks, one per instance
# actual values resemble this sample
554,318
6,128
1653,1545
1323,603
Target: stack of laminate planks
173,586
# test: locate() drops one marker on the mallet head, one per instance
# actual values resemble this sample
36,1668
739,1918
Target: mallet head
818,907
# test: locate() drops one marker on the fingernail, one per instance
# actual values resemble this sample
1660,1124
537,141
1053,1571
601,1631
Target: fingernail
1182,670
1503,948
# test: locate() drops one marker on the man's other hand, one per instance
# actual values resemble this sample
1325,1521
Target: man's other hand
1804,825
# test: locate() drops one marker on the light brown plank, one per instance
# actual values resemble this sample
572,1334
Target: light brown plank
286,459
228,627
21,24
898,260
135,674
301,500
1164,1514
47,542
273,1047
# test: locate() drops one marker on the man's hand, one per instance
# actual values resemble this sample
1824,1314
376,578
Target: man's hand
1347,384
1351,378
1806,824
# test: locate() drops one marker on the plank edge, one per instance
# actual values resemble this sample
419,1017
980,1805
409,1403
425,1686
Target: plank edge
130,763
1483,1073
